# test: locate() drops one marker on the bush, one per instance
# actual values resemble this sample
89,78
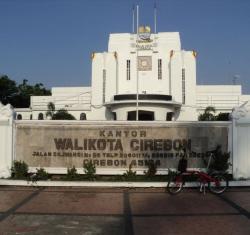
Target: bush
89,170
62,114
19,170
40,174
72,174
129,175
152,169
223,117
220,162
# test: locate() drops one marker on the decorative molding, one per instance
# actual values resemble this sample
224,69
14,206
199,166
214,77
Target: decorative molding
5,172
194,53
171,53
243,111
9,182
6,111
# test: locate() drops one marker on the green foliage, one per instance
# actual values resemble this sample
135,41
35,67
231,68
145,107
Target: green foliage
129,175
8,89
89,170
40,174
62,114
172,173
209,115
19,170
19,95
72,174
220,162
152,169
51,110
223,117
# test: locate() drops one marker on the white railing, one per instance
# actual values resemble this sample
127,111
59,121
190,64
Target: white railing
79,101
224,101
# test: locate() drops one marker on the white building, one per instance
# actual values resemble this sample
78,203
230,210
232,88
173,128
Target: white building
155,67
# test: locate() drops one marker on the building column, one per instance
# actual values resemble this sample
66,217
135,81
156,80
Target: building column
6,139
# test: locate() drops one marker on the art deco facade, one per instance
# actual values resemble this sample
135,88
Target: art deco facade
146,73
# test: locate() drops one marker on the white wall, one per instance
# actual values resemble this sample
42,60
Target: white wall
175,76
222,97
110,63
241,140
6,138
122,47
238,139
160,46
97,78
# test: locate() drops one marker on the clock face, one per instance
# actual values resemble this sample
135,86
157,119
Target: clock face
144,63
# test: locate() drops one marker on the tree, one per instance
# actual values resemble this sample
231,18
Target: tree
62,114
40,90
19,95
8,89
208,114
25,91
51,110
22,99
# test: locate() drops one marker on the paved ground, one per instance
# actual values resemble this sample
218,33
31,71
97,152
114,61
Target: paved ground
39,211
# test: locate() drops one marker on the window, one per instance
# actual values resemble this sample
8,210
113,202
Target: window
19,117
83,116
169,116
143,115
40,116
128,69
103,85
183,86
159,69
114,116
30,116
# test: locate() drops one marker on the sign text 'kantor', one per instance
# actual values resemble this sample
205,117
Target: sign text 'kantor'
115,146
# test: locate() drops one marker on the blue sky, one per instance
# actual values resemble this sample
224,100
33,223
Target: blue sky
50,41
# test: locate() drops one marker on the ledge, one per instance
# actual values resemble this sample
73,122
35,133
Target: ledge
7,182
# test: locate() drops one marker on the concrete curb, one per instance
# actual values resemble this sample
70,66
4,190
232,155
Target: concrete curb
4,182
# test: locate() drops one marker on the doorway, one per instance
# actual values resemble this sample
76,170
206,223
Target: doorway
142,115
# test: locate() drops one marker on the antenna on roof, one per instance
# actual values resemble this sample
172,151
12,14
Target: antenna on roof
133,17
155,16
235,77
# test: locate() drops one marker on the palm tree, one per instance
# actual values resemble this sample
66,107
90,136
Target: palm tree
208,115
51,110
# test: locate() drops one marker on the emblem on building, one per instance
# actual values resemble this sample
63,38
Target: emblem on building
144,33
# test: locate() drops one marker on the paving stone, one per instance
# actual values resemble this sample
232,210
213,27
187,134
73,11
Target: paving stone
122,211
183,203
61,224
75,203
8,199
240,198
193,225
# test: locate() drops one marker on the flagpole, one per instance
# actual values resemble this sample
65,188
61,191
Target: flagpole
137,72
155,16
133,19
